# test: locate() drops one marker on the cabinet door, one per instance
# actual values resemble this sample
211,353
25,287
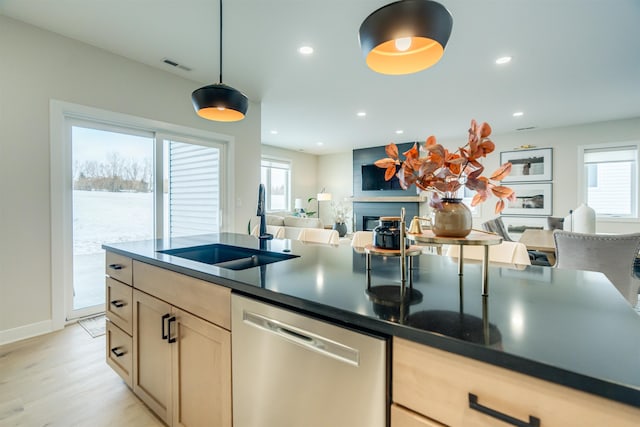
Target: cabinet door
201,372
152,354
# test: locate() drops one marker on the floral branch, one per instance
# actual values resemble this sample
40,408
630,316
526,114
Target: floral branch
444,172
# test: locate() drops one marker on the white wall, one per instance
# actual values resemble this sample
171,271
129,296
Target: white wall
335,172
336,169
38,66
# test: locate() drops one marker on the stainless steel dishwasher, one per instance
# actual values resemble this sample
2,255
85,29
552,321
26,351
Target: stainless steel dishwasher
291,370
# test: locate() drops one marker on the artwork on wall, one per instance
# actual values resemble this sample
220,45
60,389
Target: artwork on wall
529,165
531,200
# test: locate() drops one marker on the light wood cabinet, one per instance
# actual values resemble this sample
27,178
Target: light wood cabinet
401,417
118,305
152,354
182,368
119,352
201,373
119,314
119,267
168,336
459,391
182,347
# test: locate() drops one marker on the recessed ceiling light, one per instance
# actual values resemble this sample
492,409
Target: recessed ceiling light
361,114
319,143
274,132
399,131
305,50
518,114
503,60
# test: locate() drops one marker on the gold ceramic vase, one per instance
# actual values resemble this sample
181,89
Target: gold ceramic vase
452,220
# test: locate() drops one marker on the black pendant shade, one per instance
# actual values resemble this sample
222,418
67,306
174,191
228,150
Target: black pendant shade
219,102
406,36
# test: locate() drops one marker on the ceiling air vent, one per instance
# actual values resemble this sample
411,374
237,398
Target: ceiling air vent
527,128
175,64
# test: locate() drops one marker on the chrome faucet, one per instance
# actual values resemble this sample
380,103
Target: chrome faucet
261,212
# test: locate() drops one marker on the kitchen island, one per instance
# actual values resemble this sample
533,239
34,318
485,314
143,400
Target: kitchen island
569,328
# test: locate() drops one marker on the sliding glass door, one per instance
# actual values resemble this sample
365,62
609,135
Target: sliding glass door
112,202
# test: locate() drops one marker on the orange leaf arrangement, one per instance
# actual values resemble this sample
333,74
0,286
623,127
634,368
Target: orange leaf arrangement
444,173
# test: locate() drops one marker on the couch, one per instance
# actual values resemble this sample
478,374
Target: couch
292,225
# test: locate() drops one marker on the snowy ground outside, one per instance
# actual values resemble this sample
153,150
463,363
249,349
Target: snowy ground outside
103,217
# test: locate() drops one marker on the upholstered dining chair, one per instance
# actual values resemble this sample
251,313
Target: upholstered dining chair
361,239
319,235
611,254
496,225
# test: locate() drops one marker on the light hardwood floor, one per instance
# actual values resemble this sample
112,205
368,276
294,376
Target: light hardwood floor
62,379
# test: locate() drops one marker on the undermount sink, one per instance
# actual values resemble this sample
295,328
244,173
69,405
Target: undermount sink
226,256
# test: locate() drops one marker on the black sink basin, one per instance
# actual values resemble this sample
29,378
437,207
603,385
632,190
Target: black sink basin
226,256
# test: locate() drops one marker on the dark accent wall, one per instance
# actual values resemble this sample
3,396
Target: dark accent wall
374,209
367,156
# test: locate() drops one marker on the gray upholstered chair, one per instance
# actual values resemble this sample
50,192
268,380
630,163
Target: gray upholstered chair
611,254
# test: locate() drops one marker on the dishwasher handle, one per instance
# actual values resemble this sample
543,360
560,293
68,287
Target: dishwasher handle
303,338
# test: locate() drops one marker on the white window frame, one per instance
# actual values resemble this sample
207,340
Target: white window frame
635,190
267,187
61,115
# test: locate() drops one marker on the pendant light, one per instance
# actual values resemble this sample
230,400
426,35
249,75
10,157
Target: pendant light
406,36
219,102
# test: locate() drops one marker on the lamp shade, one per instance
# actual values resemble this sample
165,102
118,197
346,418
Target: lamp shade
298,204
220,102
323,197
406,36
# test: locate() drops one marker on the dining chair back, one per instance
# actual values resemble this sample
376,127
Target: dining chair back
497,226
319,235
611,254
361,239
512,253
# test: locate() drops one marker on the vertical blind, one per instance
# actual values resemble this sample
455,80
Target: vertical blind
610,177
194,189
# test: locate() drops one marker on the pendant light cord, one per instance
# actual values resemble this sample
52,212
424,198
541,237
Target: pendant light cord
220,41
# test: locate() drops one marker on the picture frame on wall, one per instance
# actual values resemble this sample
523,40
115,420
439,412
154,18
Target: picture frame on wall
533,199
529,165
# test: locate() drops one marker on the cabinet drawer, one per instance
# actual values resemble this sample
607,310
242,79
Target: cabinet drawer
439,384
204,299
400,417
119,352
119,307
118,267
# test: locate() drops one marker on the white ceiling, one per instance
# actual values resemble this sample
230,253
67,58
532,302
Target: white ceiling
574,61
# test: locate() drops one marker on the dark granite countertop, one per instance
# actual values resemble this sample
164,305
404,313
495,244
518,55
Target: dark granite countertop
569,327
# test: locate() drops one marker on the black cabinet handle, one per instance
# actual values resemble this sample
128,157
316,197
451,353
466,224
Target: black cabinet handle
116,266
164,332
117,303
473,404
117,352
170,339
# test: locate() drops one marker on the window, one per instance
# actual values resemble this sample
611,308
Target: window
276,177
609,178
192,188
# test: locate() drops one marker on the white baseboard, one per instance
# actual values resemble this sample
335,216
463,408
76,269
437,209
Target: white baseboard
24,332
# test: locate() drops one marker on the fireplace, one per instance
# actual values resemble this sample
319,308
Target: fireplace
370,222
367,214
